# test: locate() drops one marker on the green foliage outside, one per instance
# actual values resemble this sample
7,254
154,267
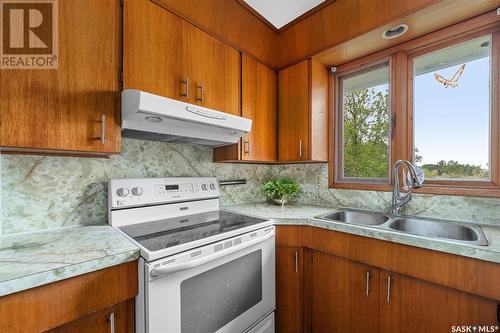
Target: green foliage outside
454,170
366,137
366,134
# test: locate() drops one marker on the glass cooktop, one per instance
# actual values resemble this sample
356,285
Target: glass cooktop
162,234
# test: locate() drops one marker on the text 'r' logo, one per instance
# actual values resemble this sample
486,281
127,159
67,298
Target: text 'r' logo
29,34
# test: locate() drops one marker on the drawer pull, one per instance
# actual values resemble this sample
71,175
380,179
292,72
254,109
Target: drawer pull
389,289
111,320
296,261
186,82
103,129
202,91
367,283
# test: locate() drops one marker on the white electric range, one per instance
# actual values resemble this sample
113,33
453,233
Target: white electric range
202,270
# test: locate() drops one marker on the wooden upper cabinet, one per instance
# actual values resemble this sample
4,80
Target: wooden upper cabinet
213,68
345,295
259,90
167,56
153,50
303,116
63,109
412,306
259,103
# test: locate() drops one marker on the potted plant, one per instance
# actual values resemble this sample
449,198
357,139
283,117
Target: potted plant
281,191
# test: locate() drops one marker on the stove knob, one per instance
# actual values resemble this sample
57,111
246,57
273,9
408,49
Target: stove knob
137,191
212,187
122,192
204,187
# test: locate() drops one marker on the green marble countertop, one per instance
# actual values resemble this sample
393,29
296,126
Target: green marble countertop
303,214
33,259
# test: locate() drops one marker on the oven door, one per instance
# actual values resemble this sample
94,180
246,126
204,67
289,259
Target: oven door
223,287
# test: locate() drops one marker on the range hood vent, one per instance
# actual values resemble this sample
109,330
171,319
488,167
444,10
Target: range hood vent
151,117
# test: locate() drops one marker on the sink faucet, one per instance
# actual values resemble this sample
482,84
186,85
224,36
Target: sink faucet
414,174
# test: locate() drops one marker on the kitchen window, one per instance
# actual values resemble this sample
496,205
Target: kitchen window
363,115
451,111
435,101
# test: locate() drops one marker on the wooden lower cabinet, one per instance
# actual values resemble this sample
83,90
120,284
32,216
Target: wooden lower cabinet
346,299
413,306
79,304
348,283
118,318
345,295
289,289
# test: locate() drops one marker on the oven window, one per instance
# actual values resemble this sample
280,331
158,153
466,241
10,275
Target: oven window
214,298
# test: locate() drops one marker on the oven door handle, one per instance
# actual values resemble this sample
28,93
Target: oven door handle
157,272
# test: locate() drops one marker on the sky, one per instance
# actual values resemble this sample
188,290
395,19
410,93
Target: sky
453,123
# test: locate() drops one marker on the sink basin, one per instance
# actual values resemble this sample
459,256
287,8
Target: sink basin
440,229
355,217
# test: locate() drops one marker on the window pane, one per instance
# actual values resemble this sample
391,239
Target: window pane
364,133
452,111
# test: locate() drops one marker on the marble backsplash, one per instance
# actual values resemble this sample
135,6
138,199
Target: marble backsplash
41,192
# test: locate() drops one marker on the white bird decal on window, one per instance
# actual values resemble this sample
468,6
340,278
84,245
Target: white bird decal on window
453,81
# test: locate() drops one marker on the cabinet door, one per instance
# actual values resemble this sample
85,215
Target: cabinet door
294,112
345,295
214,71
119,318
410,305
259,103
63,108
154,51
289,290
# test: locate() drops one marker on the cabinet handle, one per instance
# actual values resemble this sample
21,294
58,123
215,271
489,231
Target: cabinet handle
103,129
186,82
296,261
202,90
300,147
368,283
388,289
246,143
111,320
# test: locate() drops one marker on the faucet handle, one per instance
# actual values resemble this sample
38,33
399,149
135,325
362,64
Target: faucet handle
418,179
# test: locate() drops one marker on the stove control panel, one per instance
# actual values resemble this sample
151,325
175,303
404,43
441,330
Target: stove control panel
138,192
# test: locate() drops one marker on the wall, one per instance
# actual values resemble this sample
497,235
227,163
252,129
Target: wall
40,192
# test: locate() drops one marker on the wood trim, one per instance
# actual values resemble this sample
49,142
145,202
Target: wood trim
480,23
470,275
51,152
42,308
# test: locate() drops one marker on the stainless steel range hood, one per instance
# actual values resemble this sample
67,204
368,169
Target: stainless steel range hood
152,117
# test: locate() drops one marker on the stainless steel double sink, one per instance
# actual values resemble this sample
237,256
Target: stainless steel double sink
424,227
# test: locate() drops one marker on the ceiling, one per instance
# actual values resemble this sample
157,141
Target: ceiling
281,12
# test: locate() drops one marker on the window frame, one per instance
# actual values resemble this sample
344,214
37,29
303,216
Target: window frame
401,78
338,119
462,186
